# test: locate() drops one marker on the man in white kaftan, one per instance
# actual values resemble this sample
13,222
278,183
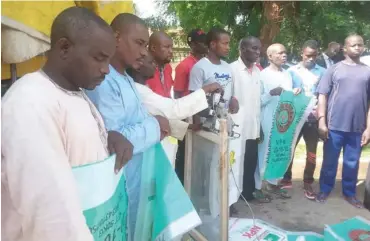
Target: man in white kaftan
49,126
274,80
45,131
247,86
175,110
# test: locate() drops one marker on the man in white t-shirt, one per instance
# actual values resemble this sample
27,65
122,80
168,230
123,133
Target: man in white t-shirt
212,69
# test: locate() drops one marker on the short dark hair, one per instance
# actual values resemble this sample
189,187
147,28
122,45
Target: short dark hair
244,42
350,36
332,44
313,44
155,37
122,20
75,23
214,34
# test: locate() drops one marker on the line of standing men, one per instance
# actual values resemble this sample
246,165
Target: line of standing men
82,106
258,93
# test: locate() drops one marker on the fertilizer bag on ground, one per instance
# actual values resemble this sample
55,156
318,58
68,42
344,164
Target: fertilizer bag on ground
354,229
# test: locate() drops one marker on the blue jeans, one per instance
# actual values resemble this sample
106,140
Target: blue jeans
351,144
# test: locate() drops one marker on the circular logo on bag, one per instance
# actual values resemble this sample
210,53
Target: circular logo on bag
359,235
284,116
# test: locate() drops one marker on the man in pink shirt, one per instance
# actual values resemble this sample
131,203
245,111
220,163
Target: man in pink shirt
49,126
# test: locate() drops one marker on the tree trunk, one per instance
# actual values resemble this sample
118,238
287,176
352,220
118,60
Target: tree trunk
273,15
272,18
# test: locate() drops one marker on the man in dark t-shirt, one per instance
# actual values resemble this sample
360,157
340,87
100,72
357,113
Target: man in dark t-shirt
344,94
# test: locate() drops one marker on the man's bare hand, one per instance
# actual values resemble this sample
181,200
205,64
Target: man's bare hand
297,91
164,126
119,145
365,137
195,127
197,124
211,88
233,105
276,92
323,130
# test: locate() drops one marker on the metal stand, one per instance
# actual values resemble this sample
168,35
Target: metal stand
222,140
13,72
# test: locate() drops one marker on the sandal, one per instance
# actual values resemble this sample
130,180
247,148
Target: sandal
322,197
277,190
354,202
261,197
286,184
309,192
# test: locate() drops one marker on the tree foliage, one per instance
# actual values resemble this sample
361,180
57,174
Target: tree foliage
294,21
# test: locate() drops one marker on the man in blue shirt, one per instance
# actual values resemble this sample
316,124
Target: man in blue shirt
306,76
120,105
344,120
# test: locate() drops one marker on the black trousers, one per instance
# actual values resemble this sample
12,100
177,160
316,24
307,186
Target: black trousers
367,199
180,161
310,136
367,190
250,164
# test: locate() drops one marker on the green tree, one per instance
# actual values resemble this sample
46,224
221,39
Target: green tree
157,23
290,23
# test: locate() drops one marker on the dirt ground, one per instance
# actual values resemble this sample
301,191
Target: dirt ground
301,214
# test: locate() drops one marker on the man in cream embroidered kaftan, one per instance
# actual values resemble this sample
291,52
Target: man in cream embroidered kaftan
274,80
